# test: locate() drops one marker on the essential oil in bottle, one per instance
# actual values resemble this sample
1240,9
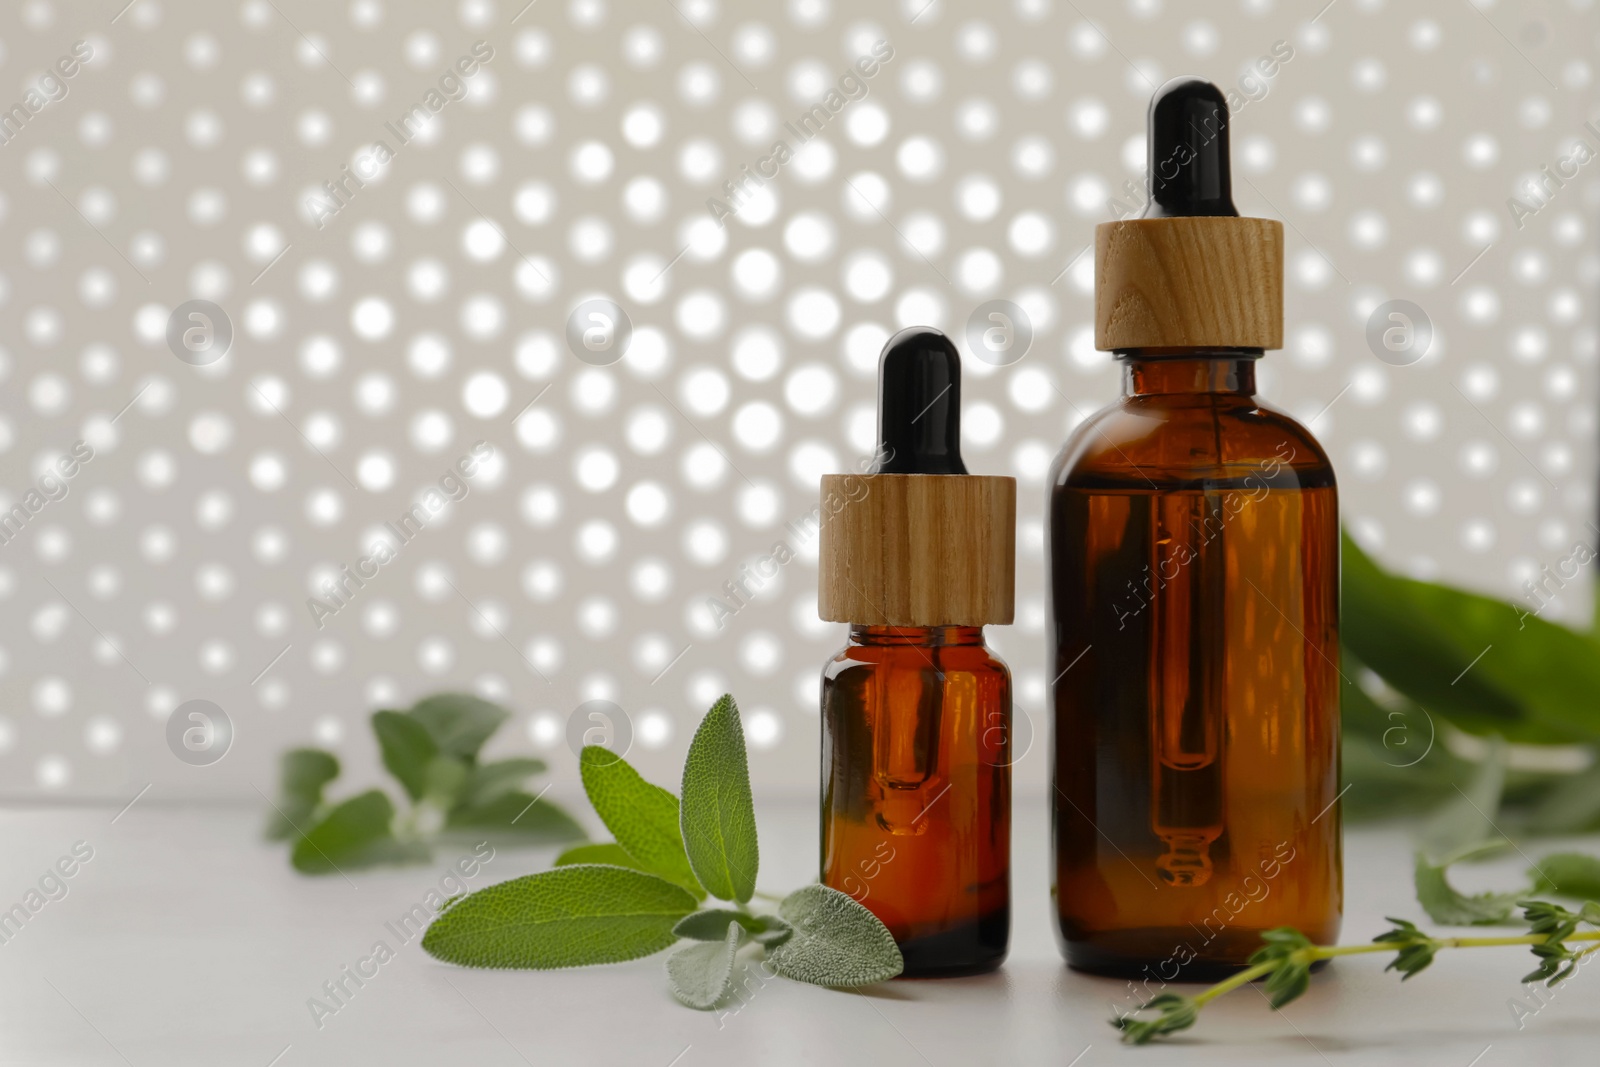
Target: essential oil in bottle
1193,539
918,556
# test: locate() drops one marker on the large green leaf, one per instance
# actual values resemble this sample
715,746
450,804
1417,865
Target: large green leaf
1486,665
459,722
303,773
566,917
598,852
407,749
356,833
641,816
1396,763
719,818
1359,713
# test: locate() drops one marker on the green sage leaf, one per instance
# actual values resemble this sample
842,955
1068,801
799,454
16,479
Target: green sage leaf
459,723
719,817
566,917
1568,874
303,773
1467,818
701,975
489,780
712,925
356,833
774,932
1448,907
516,818
603,852
407,749
444,781
836,942
1571,806
1393,759
642,817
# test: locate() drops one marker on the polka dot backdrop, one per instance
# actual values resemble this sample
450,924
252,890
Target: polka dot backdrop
396,206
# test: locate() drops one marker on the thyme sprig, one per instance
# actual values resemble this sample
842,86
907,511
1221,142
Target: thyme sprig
1285,959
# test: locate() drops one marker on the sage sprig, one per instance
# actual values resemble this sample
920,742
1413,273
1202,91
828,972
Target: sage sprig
1461,830
619,900
1285,959
432,750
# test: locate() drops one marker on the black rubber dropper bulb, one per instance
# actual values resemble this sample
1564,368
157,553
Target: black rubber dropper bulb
919,405
1187,130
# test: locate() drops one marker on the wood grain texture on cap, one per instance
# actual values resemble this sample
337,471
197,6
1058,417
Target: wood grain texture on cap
1202,281
918,549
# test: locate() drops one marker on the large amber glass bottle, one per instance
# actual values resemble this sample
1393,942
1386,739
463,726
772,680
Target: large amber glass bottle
1194,565
1194,545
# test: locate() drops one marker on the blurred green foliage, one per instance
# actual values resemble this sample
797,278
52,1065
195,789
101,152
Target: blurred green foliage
1420,661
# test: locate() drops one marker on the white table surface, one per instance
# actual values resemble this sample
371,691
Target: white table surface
186,940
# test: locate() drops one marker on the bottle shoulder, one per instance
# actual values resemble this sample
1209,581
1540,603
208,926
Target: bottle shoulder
945,659
1168,440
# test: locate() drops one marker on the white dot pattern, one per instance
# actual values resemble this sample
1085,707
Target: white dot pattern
376,345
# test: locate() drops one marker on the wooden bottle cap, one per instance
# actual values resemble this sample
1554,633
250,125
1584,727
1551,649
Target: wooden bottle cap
1193,281
918,549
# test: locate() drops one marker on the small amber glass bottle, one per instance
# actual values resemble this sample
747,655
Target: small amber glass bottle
916,791
916,712
1194,576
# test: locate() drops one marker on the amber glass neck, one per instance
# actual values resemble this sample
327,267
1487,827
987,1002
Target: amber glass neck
1157,371
916,635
